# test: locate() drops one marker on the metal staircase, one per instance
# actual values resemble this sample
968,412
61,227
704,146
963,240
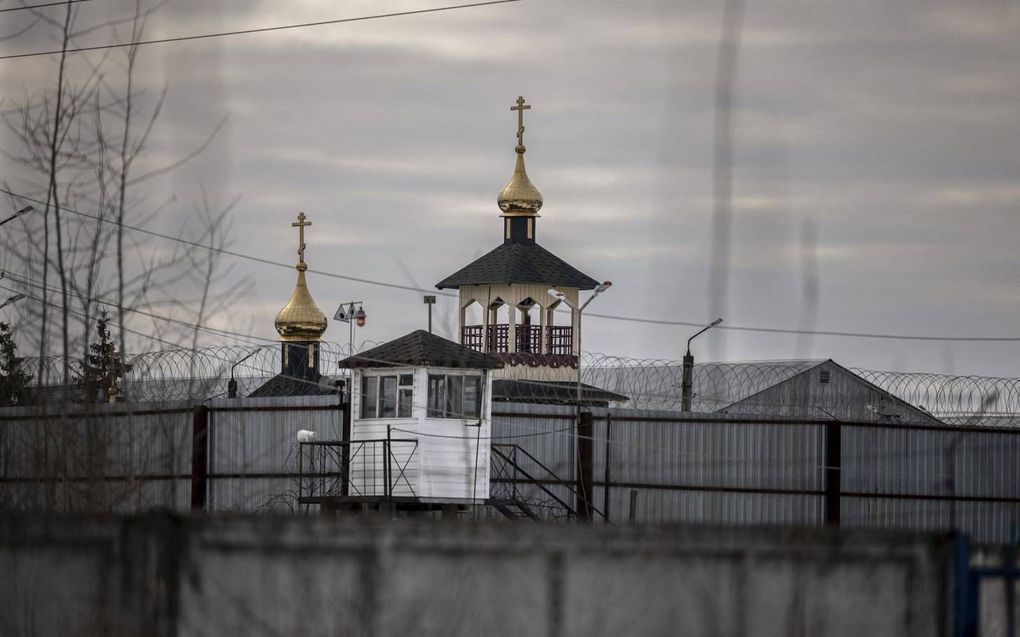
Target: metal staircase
512,469
517,510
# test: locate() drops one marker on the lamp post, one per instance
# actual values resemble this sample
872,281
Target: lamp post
688,380
232,385
17,214
599,289
351,316
583,455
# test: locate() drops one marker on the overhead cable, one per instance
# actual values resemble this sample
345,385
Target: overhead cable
612,317
282,27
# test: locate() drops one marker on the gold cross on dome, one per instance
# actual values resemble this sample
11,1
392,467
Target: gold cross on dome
300,225
520,108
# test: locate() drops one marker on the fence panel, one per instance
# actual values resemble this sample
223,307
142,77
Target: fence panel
119,457
718,469
253,449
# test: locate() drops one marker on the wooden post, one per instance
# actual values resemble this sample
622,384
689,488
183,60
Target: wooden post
199,458
585,466
605,489
632,515
833,470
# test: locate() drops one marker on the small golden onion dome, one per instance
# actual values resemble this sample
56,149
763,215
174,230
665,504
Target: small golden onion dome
301,319
520,197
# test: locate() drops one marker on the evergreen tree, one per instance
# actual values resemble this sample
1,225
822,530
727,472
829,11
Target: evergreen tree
13,379
102,366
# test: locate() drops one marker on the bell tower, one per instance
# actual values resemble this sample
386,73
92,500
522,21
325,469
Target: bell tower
522,323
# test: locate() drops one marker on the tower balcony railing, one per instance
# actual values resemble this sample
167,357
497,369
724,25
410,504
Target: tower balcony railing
528,338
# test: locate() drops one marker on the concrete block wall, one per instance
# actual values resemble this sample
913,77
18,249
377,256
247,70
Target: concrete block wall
163,575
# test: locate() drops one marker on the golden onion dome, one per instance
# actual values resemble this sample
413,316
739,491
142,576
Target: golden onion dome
520,197
301,319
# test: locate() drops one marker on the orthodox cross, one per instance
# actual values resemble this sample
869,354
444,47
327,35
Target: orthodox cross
300,225
520,108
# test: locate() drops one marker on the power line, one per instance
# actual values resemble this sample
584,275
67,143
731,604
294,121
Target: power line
82,315
212,330
777,330
282,27
239,255
613,317
40,6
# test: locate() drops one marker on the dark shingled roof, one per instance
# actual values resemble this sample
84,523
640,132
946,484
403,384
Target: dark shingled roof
281,385
519,263
552,392
422,349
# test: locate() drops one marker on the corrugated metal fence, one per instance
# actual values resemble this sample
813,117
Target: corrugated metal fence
662,466
253,463
703,468
138,456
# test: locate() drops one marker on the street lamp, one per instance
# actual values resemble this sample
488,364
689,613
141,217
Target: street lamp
582,495
688,380
351,316
17,214
556,294
232,384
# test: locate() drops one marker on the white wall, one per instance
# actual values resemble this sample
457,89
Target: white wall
451,460
367,462
454,453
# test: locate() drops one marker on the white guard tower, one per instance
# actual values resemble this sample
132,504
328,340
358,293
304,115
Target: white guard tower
425,402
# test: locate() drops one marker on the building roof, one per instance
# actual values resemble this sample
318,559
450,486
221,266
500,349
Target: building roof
419,349
719,385
656,385
552,392
829,390
281,385
519,263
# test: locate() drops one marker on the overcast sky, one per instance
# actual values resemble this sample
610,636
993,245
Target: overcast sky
884,134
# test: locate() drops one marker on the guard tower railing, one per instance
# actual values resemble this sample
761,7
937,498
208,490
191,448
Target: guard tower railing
381,468
559,339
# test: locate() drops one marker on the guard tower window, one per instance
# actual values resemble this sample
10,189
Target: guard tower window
387,396
454,396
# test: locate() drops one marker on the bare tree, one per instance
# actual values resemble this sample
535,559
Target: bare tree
80,143
78,148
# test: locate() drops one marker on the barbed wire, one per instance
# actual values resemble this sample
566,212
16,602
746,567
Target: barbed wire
654,384
954,399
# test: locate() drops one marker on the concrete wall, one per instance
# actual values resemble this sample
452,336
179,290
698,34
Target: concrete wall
159,575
